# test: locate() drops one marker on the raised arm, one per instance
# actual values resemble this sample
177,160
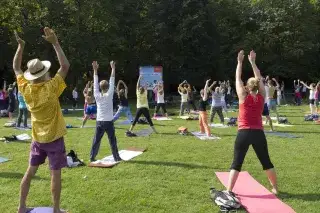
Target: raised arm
112,78
95,67
4,86
205,90
51,37
86,89
18,56
305,85
277,83
209,89
138,83
241,91
257,74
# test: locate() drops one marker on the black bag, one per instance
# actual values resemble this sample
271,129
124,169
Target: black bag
75,158
283,121
227,201
232,122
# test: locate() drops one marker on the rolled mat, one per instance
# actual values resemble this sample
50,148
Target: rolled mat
254,197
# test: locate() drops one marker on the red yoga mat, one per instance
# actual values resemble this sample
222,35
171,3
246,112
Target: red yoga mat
254,197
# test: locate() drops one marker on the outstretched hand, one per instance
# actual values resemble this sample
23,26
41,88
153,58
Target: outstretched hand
19,40
208,81
95,65
240,56
50,36
113,65
252,57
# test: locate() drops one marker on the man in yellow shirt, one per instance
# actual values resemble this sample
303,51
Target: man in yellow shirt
41,94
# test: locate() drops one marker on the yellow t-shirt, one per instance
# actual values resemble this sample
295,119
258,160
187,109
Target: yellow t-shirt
142,100
42,100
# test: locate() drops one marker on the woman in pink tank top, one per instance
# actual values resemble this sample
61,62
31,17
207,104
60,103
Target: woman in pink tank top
250,129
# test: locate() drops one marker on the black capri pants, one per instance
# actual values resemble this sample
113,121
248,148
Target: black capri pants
257,139
162,106
142,111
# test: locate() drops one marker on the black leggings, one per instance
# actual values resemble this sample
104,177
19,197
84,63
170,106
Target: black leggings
142,111
257,139
161,105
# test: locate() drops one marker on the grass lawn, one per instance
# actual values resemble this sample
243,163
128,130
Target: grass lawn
173,176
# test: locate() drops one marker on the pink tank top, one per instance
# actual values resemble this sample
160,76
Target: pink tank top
250,112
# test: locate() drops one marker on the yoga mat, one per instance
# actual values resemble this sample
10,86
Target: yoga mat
281,134
126,122
144,132
253,196
219,126
2,159
278,125
41,210
204,136
162,118
125,155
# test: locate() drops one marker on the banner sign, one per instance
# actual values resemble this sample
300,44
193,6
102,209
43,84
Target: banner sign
150,76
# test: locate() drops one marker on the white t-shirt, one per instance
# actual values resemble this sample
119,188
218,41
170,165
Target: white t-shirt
104,101
267,94
312,94
184,97
160,98
75,94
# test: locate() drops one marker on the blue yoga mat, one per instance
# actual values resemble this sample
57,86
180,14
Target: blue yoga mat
282,134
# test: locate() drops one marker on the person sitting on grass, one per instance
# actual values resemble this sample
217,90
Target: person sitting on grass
91,107
312,92
250,128
105,112
41,93
216,106
142,107
184,99
203,116
124,103
160,100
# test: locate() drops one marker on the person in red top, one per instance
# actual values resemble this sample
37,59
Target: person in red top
250,129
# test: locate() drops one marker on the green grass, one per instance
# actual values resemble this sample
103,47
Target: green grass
174,175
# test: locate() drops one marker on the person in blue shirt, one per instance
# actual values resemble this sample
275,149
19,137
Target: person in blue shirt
23,111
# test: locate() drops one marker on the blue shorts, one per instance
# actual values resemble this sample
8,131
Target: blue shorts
272,104
91,110
265,110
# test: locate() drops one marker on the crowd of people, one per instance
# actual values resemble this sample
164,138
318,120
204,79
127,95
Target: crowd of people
38,94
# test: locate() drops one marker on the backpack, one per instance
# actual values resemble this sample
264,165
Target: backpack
283,121
227,201
73,160
232,122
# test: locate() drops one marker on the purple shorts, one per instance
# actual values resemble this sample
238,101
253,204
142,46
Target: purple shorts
55,151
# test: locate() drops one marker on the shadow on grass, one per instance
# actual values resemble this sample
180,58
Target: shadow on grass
16,175
171,164
305,197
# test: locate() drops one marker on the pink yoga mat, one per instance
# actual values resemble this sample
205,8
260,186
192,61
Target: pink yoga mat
253,196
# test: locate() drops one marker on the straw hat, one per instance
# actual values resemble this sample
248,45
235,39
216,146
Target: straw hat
36,69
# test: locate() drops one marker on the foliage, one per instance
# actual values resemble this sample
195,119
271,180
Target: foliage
191,39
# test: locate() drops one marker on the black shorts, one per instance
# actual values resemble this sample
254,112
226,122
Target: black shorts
265,110
311,101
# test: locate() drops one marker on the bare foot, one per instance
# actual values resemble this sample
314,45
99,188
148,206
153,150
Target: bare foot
274,191
24,209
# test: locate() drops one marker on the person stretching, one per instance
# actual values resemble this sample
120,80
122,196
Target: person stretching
104,121
191,97
184,99
265,111
12,102
203,116
312,93
74,98
23,111
223,101
216,106
91,107
272,103
317,96
297,94
41,95
142,107
160,100
124,103
250,129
